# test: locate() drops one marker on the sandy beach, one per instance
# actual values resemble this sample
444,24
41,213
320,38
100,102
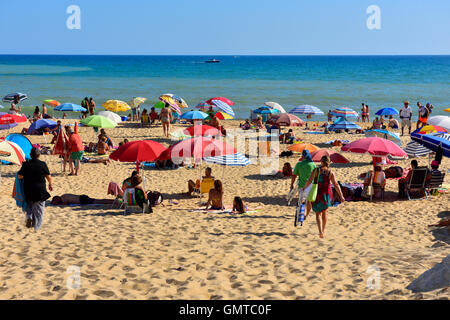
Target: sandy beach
175,253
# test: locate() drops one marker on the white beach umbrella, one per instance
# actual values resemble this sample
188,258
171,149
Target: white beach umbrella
111,116
275,106
441,121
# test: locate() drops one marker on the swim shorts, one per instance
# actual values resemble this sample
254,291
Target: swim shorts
78,155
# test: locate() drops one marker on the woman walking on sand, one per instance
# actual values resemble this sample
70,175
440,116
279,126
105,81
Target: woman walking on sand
324,178
166,118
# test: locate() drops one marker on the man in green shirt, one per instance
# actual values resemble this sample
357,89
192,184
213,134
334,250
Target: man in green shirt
303,170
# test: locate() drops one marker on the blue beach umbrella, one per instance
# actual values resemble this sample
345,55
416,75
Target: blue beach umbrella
385,135
8,126
265,110
194,115
42,123
434,141
70,107
343,124
306,109
386,112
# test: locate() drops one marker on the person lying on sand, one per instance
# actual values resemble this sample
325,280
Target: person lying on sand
239,206
67,199
90,160
215,199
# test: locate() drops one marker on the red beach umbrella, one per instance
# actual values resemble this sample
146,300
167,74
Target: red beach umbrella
138,151
62,143
197,148
376,147
201,130
334,156
7,118
227,101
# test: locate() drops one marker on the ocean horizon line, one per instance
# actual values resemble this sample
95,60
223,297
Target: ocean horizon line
227,55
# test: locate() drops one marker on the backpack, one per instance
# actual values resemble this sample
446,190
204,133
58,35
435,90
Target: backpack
155,198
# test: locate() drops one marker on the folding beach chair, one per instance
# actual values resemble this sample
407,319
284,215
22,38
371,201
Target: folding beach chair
130,203
417,181
435,183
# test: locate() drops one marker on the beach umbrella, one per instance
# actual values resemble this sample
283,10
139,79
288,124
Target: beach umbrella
306,109
447,110
159,105
41,124
299,147
116,106
434,141
181,103
224,107
137,101
386,112
375,146
194,115
333,155
343,124
17,118
98,122
201,130
70,107
7,119
430,129
344,112
441,121
7,126
111,116
227,101
10,97
289,120
196,148
171,102
52,103
2,107
414,149
234,160
265,110
11,152
222,116
202,105
394,137
275,106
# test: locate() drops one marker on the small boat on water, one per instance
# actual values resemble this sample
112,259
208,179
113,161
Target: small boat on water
212,61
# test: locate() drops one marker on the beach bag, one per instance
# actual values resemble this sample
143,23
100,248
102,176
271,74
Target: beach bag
313,193
155,198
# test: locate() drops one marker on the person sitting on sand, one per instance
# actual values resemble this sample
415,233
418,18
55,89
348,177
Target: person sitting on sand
246,125
288,137
67,199
37,113
258,123
215,200
393,123
153,115
376,124
108,140
286,172
102,147
239,206
127,183
193,186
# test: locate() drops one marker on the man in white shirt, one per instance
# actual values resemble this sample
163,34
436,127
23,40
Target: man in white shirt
405,116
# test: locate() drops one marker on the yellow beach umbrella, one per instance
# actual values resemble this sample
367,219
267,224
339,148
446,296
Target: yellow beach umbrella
223,116
116,106
137,101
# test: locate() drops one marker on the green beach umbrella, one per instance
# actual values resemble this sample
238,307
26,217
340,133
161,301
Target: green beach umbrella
159,105
98,122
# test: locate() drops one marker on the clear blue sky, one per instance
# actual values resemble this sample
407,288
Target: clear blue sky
214,27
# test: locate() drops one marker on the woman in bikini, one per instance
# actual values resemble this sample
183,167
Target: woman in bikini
166,118
216,197
324,178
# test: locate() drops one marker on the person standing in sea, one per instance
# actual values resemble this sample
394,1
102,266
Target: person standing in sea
34,172
166,118
85,104
324,177
91,106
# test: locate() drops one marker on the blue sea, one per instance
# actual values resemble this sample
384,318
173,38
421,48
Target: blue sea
323,81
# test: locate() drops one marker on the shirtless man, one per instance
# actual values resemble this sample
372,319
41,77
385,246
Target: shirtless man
166,118
192,184
67,199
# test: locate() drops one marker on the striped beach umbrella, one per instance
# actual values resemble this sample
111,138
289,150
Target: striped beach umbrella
343,125
11,152
10,97
306,109
224,107
414,149
223,99
236,160
167,98
434,141
344,112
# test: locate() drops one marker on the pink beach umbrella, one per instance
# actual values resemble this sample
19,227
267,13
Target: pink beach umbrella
333,155
376,147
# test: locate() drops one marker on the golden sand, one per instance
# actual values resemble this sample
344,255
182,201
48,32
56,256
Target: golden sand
175,253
